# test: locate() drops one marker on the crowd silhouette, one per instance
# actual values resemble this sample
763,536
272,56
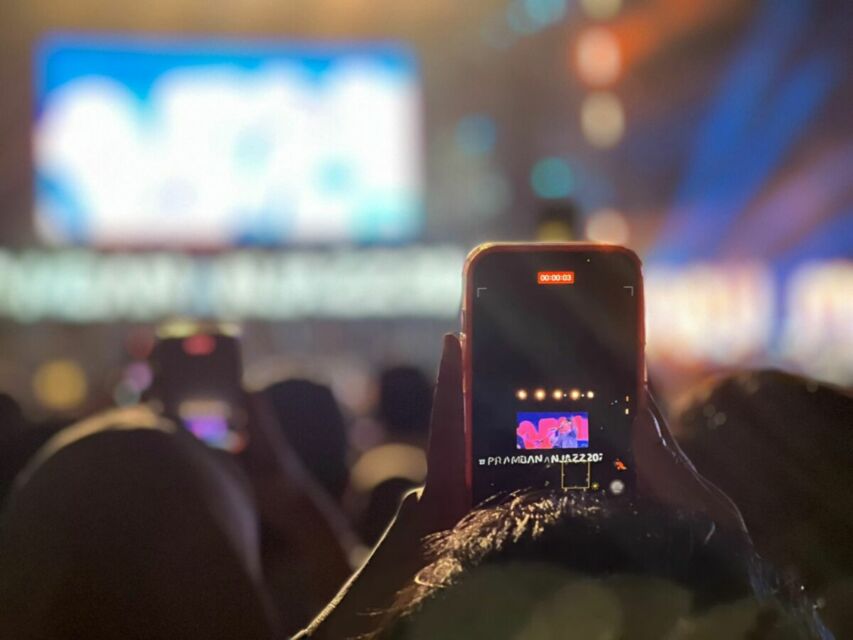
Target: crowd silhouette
125,525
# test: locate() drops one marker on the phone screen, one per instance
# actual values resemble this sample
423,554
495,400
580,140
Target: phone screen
198,382
555,367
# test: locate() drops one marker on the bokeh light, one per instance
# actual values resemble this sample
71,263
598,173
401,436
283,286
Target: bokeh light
617,487
607,226
601,9
598,58
544,12
60,385
138,376
525,17
602,119
555,231
552,178
386,462
139,343
518,19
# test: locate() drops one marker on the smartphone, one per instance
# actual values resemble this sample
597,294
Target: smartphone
197,381
554,367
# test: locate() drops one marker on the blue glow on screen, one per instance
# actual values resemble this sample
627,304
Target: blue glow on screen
157,142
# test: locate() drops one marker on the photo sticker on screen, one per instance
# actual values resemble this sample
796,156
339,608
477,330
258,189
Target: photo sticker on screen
567,430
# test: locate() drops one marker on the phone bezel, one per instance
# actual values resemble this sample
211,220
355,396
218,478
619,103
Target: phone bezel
480,251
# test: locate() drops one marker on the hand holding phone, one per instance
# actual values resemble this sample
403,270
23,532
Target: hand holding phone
198,383
664,475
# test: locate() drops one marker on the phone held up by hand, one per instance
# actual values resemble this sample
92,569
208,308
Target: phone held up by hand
554,367
197,381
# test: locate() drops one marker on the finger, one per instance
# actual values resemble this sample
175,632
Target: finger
446,439
666,474
445,482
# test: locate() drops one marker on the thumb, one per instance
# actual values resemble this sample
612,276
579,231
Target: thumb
445,484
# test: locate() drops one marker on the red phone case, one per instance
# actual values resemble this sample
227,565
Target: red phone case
467,303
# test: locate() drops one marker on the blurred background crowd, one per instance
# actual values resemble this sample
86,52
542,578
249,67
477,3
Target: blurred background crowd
316,171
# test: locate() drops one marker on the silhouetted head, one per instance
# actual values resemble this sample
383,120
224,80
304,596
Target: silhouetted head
405,401
125,526
16,449
314,427
18,442
11,418
559,221
382,505
781,447
546,566
379,479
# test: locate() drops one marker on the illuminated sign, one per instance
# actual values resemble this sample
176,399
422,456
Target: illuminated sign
84,286
709,313
818,328
724,315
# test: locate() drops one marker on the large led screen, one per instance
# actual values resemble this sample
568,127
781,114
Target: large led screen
149,142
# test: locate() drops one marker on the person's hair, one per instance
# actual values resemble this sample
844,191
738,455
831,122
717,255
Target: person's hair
16,449
11,417
314,426
778,445
530,547
405,400
131,532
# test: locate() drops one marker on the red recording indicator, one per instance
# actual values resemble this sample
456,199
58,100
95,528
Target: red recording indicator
200,344
556,277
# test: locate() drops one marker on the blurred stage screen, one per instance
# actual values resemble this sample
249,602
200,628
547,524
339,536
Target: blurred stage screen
149,142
